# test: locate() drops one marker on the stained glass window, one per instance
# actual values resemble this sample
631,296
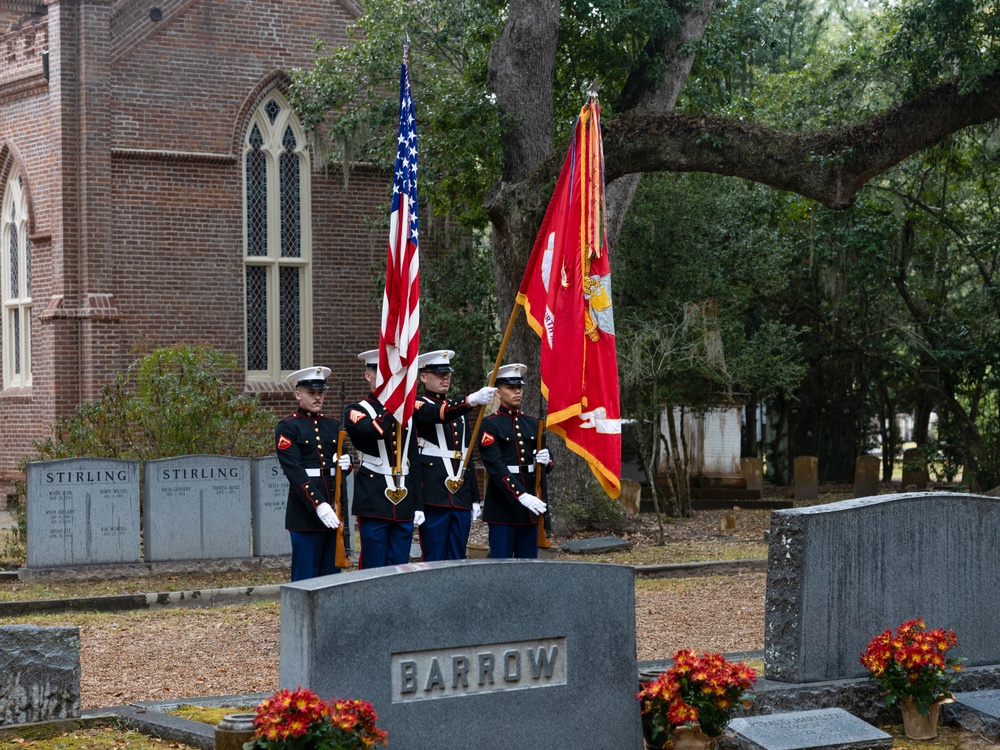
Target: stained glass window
277,249
290,318
256,195
290,212
256,318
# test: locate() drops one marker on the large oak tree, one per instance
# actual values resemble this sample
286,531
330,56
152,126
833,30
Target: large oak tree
498,83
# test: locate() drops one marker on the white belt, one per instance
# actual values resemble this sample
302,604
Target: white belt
516,469
319,472
429,449
375,463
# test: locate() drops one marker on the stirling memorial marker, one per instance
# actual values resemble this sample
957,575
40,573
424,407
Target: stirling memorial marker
196,508
82,511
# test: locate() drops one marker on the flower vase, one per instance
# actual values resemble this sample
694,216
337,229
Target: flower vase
916,726
692,738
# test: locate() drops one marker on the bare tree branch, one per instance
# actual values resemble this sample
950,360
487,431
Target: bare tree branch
827,166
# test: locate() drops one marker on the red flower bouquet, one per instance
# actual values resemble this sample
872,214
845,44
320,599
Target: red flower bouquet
911,663
301,720
703,690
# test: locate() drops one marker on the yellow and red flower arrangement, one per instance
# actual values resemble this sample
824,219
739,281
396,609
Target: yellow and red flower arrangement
697,689
912,662
301,720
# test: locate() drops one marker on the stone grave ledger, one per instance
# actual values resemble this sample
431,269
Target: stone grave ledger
196,508
39,673
269,494
840,574
823,728
82,511
486,654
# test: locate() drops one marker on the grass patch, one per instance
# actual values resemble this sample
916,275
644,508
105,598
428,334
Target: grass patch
209,714
19,591
42,737
679,552
181,615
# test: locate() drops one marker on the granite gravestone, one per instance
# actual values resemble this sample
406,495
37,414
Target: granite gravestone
806,478
752,469
196,508
269,495
817,730
839,574
915,473
866,473
39,673
978,712
491,654
82,511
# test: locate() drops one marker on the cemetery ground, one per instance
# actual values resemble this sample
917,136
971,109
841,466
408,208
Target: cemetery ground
172,653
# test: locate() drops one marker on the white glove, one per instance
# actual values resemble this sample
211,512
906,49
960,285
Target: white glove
482,397
418,517
344,462
532,503
542,457
327,516
477,511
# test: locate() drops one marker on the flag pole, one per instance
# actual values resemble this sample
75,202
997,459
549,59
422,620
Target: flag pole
543,539
341,559
493,376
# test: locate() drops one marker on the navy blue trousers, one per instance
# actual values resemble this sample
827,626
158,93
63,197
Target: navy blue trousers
314,553
507,541
444,533
383,542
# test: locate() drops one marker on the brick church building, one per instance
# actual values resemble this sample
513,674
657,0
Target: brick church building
158,188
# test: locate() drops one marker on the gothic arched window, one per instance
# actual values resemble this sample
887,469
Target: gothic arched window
276,243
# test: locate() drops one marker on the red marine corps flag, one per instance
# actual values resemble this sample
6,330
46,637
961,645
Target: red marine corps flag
399,340
566,294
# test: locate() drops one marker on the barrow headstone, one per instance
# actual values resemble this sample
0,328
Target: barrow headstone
490,654
268,495
915,473
196,508
866,473
820,729
806,478
752,469
39,673
82,511
840,574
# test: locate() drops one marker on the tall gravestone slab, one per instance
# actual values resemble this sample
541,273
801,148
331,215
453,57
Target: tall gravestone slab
196,508
752,469
490,654
866,473
269,495
82,511
806,478
915,473
841,573
39,673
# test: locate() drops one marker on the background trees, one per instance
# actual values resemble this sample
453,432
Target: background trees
835,301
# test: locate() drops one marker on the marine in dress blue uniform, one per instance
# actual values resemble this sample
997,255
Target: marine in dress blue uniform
450,490
306,446
507,448
385,524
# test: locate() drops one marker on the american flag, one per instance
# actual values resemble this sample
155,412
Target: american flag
399,340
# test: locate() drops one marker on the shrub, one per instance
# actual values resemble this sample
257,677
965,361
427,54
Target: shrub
173,401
